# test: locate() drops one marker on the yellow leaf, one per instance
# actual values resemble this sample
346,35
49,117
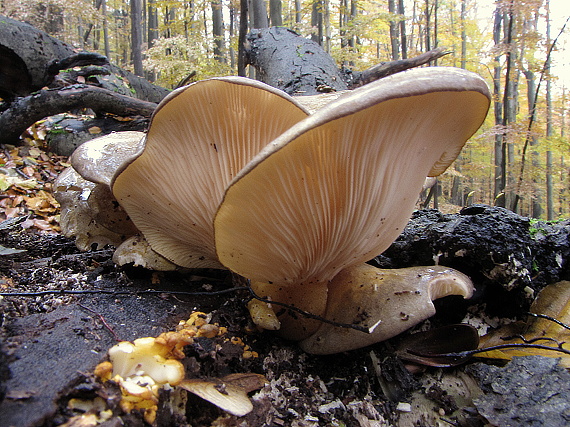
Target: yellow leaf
94,130
553,301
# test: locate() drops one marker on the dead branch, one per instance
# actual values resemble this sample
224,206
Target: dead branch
24,112
385,69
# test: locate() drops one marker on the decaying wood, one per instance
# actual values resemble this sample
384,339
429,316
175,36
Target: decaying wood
30,58
25,111
292,63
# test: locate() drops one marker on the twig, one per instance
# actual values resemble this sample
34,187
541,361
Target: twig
100,316
117,293
552,319
205,293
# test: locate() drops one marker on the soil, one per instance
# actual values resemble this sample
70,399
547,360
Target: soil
53,341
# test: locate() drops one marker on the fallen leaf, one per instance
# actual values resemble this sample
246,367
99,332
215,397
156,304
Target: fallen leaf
552,301
228,393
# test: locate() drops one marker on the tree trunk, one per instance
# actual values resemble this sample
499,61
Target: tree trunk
500,180
275,13
136,36
317,22
463,34
218,31
549,126
403,37
243,26
259,12
394,33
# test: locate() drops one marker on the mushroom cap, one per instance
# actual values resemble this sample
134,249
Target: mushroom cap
337,189
98,160
81,202
200,137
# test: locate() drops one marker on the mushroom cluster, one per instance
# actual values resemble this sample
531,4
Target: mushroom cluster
236,174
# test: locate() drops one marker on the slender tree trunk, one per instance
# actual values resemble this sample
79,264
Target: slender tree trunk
136,37
463,34
428,25
105,29
549,126
403,37
536,203
509,110
275,13
218,31
317,22
243,27
259,11
394,33
500,136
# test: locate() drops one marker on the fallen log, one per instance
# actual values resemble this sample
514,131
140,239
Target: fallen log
25,111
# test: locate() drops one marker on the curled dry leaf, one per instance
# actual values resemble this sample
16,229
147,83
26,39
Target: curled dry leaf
228,393
430,348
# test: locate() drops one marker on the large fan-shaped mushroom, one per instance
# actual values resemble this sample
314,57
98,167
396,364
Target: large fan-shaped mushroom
337,189
236,174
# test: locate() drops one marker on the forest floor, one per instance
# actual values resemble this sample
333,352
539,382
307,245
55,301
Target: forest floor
71,307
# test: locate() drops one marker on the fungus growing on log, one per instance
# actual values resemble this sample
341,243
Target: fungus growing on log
236,174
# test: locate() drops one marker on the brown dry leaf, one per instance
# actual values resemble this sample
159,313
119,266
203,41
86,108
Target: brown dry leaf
94,130
228,393
553,301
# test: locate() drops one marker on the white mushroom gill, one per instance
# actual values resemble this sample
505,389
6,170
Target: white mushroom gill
200,137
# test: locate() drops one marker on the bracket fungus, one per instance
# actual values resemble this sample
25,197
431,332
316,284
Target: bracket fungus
235,174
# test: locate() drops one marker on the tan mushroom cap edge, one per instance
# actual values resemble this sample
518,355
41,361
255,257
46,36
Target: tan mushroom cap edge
200,137
99,159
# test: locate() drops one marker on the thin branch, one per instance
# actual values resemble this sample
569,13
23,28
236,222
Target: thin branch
185,293
385,69
26,111
107,326
552,319
118,293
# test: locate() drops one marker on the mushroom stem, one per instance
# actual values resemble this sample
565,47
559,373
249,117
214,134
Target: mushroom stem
312,299
387,302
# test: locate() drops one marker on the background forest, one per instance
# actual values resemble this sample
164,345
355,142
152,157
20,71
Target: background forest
518,160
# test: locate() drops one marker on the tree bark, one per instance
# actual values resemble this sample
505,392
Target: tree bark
292,63
394,31
218,31
275,13
26,54
136,36
26,111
